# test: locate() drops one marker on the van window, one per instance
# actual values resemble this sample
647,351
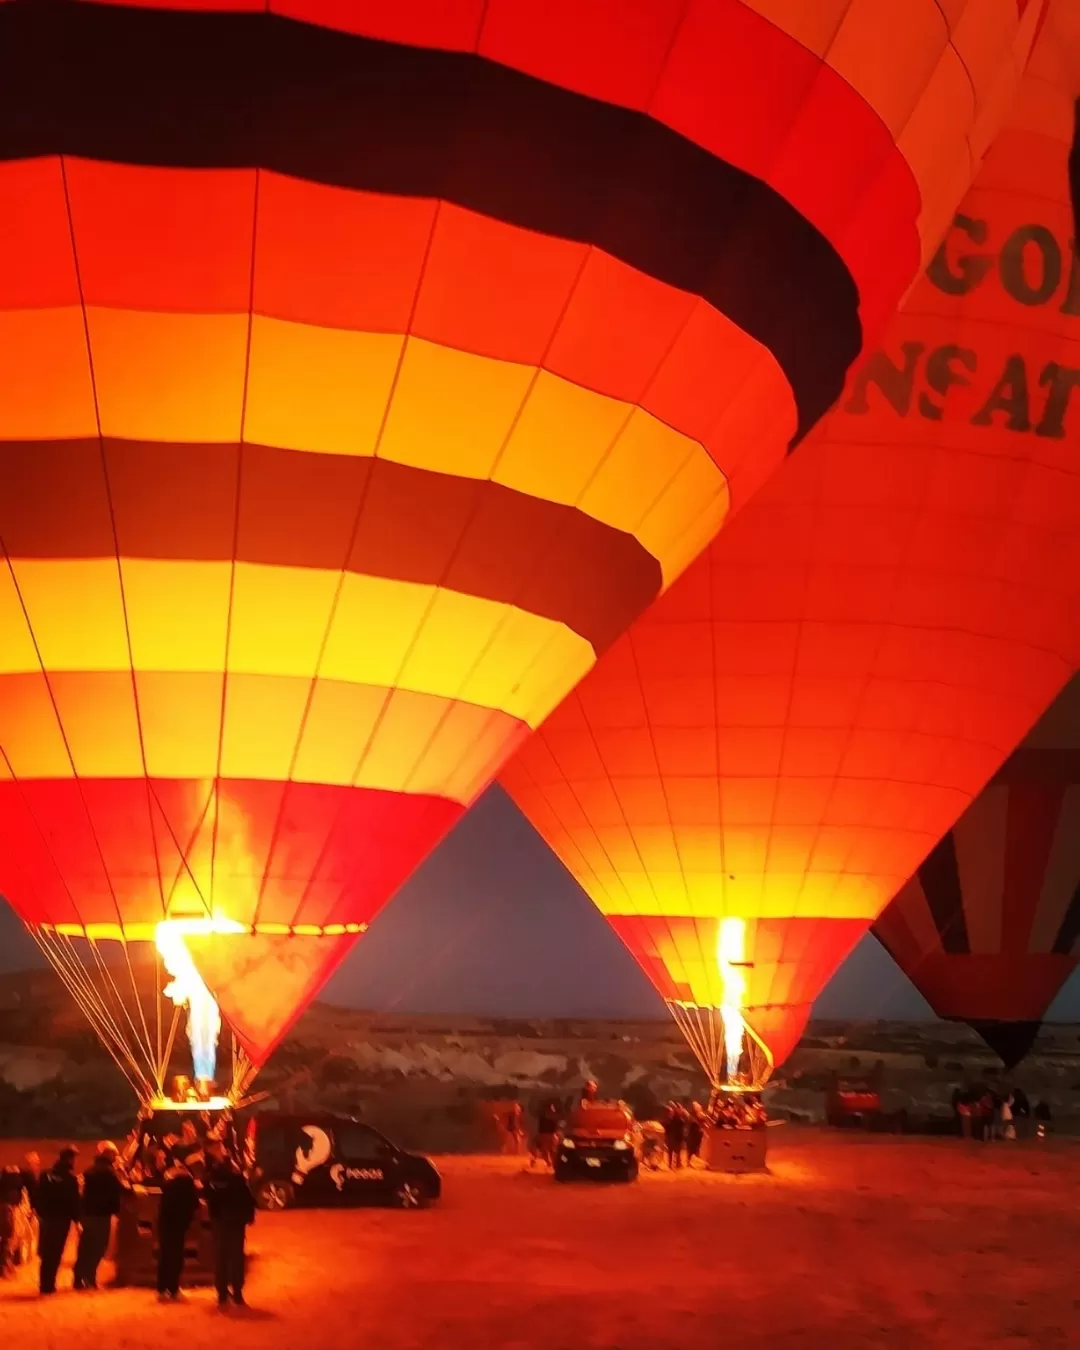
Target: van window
359,1143
272,1151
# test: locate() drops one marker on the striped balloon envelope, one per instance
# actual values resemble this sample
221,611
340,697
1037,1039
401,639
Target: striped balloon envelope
756,767
988,928
365,369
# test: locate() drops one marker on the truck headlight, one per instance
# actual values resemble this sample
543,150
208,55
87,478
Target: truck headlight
621,1144
568,1143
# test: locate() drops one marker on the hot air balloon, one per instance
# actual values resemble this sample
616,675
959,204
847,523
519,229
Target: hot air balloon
365,369
988,928
752,772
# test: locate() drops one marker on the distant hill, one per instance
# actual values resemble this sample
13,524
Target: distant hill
425,1078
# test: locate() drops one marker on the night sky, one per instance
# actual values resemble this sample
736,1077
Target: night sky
492,924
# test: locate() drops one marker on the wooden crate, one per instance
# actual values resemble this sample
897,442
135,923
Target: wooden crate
735,1150
137,1248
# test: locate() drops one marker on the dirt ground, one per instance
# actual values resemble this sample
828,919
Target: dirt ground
848,1242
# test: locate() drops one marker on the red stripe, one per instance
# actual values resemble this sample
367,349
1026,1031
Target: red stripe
1031,823
791,960
107,850
262,982
1009,988
179,241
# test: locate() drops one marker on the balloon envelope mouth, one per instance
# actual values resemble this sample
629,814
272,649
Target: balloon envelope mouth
147,932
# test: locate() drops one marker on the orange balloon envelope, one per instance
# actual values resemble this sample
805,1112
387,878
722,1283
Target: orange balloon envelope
752,772
988,928
365,369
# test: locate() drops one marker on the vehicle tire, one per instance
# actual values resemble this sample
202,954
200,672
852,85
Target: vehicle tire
274,1195
631,1175
411,1195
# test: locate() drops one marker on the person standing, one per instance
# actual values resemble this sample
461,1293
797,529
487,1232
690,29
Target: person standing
675,1133
102,1191
695,1132
58,1204
31,1175
11,1193
189,1151
179,1204
232,1208
547,1129
515,1128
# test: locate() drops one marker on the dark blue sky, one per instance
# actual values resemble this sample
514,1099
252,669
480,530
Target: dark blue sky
493,924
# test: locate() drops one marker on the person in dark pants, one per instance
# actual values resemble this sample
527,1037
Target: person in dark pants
58,1204
547,1129
102,1191
189,1150
695,1132
675,1121
179,1203
11,1193
232,1208
31,1174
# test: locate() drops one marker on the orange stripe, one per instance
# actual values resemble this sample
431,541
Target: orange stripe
181,378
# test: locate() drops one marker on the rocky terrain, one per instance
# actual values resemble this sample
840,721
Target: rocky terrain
438,1082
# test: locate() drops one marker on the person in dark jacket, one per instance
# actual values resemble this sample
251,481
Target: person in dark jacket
102,1191
695,1132
58,1204
547,1130
188,1150
232,1208
675,1122
179,1204
31,1175
11,1194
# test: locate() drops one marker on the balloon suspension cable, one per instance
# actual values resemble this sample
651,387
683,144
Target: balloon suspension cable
243,1074
710,1038
100,1004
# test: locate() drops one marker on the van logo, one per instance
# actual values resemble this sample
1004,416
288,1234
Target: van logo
318,1152
340,1174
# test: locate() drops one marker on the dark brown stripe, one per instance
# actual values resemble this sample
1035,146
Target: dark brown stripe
1040,766
220,90
1068,935
1010,1041
299,509
940,879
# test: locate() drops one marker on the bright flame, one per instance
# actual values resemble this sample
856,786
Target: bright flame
731,958
186,988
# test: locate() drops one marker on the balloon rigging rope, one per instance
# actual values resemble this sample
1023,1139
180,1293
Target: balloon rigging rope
142,1043
65,961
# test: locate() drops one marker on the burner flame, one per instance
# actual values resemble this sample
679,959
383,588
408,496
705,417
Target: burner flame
187,990
731,959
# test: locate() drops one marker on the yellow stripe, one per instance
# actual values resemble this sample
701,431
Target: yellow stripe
180,378
390,633
273,729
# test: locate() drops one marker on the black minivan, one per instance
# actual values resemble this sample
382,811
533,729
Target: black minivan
322,1160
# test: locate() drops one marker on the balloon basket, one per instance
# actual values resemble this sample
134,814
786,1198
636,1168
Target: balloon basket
735,1151
137,1245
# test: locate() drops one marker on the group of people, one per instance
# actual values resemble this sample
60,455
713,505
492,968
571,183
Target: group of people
684,1132
186,1170
677,1136
986,1115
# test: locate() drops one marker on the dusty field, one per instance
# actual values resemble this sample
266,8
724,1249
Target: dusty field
849,1242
